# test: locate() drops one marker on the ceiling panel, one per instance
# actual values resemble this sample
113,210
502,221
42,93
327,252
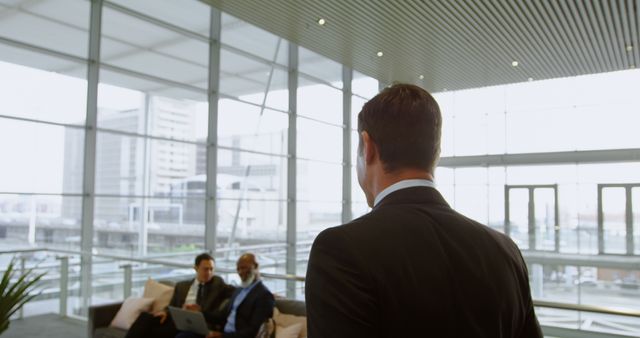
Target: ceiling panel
457,44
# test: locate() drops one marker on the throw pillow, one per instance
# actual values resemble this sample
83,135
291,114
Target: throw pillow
159,292
286,320
292,331
129,312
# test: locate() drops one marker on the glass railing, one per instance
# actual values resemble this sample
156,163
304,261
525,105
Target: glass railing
578,297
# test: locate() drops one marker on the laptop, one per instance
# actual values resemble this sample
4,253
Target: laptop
189,321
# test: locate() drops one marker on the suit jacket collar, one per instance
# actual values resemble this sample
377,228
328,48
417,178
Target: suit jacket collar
413,195
210,291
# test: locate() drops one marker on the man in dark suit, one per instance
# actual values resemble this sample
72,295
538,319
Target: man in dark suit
250,306
413,266
206,293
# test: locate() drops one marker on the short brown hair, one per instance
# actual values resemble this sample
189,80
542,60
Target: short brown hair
204,256
405,123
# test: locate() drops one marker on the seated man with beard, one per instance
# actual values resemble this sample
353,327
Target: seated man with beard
250,306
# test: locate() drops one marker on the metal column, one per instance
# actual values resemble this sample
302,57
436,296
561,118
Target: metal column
211,203
292,169
556,212
347,75
89,173
64,285
629,220
507,214
600,221
532,220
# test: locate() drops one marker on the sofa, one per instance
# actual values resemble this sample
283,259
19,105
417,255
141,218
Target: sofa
100,317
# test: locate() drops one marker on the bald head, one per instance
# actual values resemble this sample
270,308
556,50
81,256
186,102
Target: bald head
247,267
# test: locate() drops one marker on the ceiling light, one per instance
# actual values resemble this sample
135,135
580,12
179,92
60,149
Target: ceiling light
380,54
421,77
629,48
321,21
514,64
530,79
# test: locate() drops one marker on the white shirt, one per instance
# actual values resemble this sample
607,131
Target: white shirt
193,292
403,185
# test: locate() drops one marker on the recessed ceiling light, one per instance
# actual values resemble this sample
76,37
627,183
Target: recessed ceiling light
629,48
321,21
421,77
380,54
514,64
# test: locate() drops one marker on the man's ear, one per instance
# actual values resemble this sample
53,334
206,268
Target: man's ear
369,150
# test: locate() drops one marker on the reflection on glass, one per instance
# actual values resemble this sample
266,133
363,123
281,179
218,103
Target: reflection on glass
519,216
140,166
615,227
140,226
242,126
544,202
253,40
35,220
320,102
144,47
133,111
59,25
320,67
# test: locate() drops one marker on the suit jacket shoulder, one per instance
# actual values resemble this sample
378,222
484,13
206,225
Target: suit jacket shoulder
180,292
413,264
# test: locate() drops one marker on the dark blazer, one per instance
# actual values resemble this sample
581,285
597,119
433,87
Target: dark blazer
254,310
216,296
413,267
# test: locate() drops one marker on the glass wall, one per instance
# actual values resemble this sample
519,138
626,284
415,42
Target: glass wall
547,206
152,124
319,149
252,146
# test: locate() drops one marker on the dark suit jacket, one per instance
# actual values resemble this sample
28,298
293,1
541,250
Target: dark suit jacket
254,310
413,267
216,296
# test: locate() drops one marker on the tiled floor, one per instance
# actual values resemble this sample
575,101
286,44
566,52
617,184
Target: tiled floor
49,326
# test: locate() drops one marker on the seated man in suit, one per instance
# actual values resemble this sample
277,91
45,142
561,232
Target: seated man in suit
250,306
206,293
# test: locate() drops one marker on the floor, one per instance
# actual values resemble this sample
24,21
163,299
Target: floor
47,325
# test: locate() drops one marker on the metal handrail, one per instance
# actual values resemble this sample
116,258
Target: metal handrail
288,277
587,308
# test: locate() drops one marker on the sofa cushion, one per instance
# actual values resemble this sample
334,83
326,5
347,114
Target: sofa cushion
109,332
291,331
161,293
291,307
283,320
130,310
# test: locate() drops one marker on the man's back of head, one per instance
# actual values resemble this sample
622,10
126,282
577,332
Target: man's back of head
399,138
405,123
